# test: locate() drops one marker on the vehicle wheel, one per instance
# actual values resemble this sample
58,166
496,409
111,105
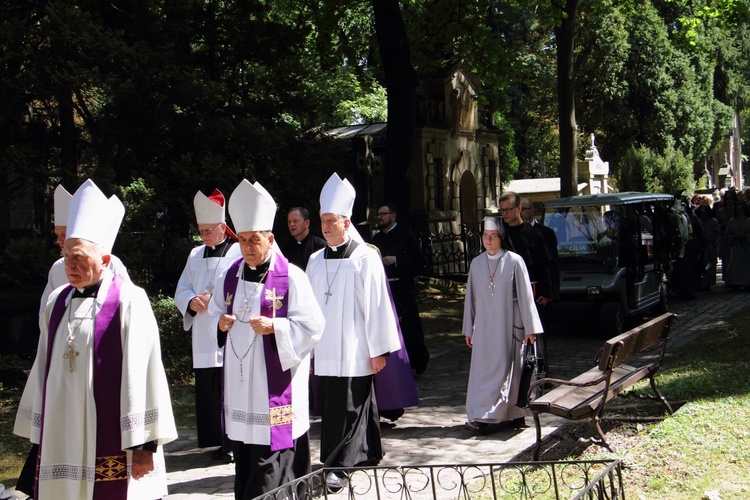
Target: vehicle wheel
663,305
611,319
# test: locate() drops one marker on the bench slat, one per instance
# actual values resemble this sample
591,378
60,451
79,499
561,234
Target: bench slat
580,402
636,340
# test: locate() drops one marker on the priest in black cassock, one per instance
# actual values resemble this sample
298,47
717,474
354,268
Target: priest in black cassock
403,261
194,289
303,243
349,282
269,322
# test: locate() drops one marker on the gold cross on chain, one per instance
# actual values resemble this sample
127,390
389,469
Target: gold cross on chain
70,355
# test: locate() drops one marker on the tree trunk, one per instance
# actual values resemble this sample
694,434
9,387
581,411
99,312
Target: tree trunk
566,98
401,85
68,155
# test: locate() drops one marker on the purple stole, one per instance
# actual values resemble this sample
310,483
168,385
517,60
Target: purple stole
111,474
274,302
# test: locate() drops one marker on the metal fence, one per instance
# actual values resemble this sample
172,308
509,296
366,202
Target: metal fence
448,254
522,480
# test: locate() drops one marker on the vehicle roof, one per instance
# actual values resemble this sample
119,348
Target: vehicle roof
626,198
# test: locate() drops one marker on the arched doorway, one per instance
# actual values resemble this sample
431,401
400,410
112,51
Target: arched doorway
468,200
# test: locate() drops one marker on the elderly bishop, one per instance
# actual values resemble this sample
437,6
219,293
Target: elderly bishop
194,289
270,322
360,333
97,400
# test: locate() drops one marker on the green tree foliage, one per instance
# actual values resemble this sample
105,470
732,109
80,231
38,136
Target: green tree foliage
643,169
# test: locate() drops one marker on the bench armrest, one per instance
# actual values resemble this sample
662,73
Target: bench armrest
561,382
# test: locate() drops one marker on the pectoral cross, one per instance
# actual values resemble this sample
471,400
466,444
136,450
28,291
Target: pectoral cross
327,294
210,288
274,299
70,355
492,288
244,309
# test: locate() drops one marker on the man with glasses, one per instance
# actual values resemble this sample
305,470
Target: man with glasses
194,290
522,238
403,261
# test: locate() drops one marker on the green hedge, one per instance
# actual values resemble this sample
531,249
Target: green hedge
176,347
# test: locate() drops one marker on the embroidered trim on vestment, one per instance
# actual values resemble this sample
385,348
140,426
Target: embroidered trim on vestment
139,420
113,468
244,417
280,415
66,471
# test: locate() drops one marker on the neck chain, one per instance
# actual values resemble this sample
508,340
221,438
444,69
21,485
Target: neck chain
241,359
330,283
492,273
212,275
70,354
245,308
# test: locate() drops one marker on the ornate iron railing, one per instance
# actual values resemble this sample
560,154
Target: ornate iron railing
449,254
522,480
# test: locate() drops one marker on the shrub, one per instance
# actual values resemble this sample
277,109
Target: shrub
176,346
643,169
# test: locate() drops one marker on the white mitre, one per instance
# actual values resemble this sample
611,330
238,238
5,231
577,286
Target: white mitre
62,205
94,217
209,209
337,196
251,208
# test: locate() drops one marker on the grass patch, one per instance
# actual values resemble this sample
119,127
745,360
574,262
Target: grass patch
703,451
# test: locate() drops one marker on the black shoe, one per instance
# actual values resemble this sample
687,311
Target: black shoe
518,423
227,457
480,427
335,482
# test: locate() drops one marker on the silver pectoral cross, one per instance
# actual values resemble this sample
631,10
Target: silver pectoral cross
244,309
210,288
327,294
492,288
70,356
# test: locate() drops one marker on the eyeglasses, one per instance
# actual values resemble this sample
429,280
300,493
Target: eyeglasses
383,214
507,210
490,236
207,232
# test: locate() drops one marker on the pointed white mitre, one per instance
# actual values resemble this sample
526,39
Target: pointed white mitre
337,196
94,217
62,205
209,209
251,208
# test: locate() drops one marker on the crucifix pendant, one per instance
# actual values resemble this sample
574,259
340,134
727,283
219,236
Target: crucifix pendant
328,294
492,288
70,356
244,309
210,288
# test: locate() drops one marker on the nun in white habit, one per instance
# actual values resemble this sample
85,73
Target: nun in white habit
490,332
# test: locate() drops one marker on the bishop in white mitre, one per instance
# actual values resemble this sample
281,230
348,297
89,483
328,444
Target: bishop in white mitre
270,323
97,400
350,285
194,289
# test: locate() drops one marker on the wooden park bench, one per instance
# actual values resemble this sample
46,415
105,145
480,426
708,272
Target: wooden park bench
584,396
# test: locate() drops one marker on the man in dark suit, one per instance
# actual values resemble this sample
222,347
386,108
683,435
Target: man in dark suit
403,261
